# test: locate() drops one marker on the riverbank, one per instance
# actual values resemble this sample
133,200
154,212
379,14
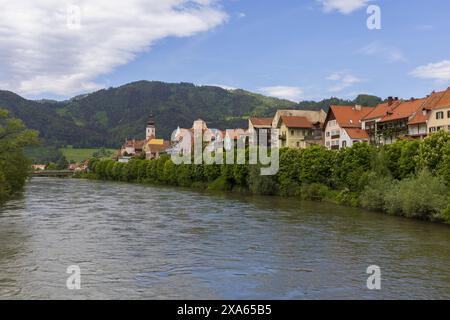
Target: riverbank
407,178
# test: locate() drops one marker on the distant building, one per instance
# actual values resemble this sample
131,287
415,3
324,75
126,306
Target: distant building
39,167
150,147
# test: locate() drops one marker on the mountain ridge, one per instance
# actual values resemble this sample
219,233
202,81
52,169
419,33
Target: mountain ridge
107,116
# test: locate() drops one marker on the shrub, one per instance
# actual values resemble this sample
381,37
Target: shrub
423,196
373,195
314,191
258,184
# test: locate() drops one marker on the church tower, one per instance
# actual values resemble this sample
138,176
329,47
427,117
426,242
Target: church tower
151,130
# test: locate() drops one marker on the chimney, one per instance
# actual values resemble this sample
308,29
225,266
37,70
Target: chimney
390,101
358,107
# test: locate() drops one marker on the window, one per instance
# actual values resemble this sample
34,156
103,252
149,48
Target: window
448,114
328,142
432,129
292,132
328,133
439,115
298,144
344,144
439,128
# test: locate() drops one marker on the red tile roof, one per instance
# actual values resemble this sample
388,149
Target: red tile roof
349,116
418,118
296,122
137,144
261,121
404,109
380,110
356,133
444,101
435,100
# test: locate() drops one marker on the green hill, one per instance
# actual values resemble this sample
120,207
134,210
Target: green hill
108,116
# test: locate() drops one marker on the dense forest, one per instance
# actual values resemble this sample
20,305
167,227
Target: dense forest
14,165
106,117
407,178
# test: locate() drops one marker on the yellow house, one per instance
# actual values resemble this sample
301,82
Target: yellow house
298,132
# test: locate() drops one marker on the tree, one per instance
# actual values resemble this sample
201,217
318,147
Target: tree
14,166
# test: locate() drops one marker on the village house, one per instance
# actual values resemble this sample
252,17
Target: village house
410,119
343,126
417,125
255,125
299,128
439,115
389,121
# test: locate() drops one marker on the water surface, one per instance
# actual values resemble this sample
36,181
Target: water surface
134,241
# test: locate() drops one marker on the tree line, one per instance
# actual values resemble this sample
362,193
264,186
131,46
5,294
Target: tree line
407,178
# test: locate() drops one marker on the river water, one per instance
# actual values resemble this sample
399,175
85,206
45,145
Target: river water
135,241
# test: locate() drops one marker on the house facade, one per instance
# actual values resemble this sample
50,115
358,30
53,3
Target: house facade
295,131
299,128
343,126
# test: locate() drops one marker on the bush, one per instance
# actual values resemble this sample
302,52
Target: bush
258,184
315,191
374,194
423,196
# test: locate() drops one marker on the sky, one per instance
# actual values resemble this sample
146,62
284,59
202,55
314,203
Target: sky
293,49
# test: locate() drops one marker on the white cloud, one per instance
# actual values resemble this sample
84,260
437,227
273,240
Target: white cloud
242,15
342,81
41,52
223,86
390,54
284,92
343,6
439,71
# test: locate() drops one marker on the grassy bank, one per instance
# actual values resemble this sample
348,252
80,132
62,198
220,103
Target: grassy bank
408,178
81,154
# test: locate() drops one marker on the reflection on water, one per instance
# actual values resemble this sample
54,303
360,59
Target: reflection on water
134,241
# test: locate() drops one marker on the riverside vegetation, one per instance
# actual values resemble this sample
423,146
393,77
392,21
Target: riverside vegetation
407,178
14,165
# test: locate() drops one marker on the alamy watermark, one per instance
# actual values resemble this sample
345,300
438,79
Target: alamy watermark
374,19
374,280
212,146
74,280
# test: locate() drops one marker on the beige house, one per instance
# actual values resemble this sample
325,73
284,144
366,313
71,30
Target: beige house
298,132
434,115
312,116
299,128
439,116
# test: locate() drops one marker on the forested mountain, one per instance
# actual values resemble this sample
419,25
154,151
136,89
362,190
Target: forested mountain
108,116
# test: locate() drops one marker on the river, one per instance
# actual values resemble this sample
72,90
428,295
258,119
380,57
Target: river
142,242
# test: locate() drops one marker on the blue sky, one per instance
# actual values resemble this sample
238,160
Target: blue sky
301,50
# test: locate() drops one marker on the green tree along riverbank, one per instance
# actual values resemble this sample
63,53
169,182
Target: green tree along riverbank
407,178
14,165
